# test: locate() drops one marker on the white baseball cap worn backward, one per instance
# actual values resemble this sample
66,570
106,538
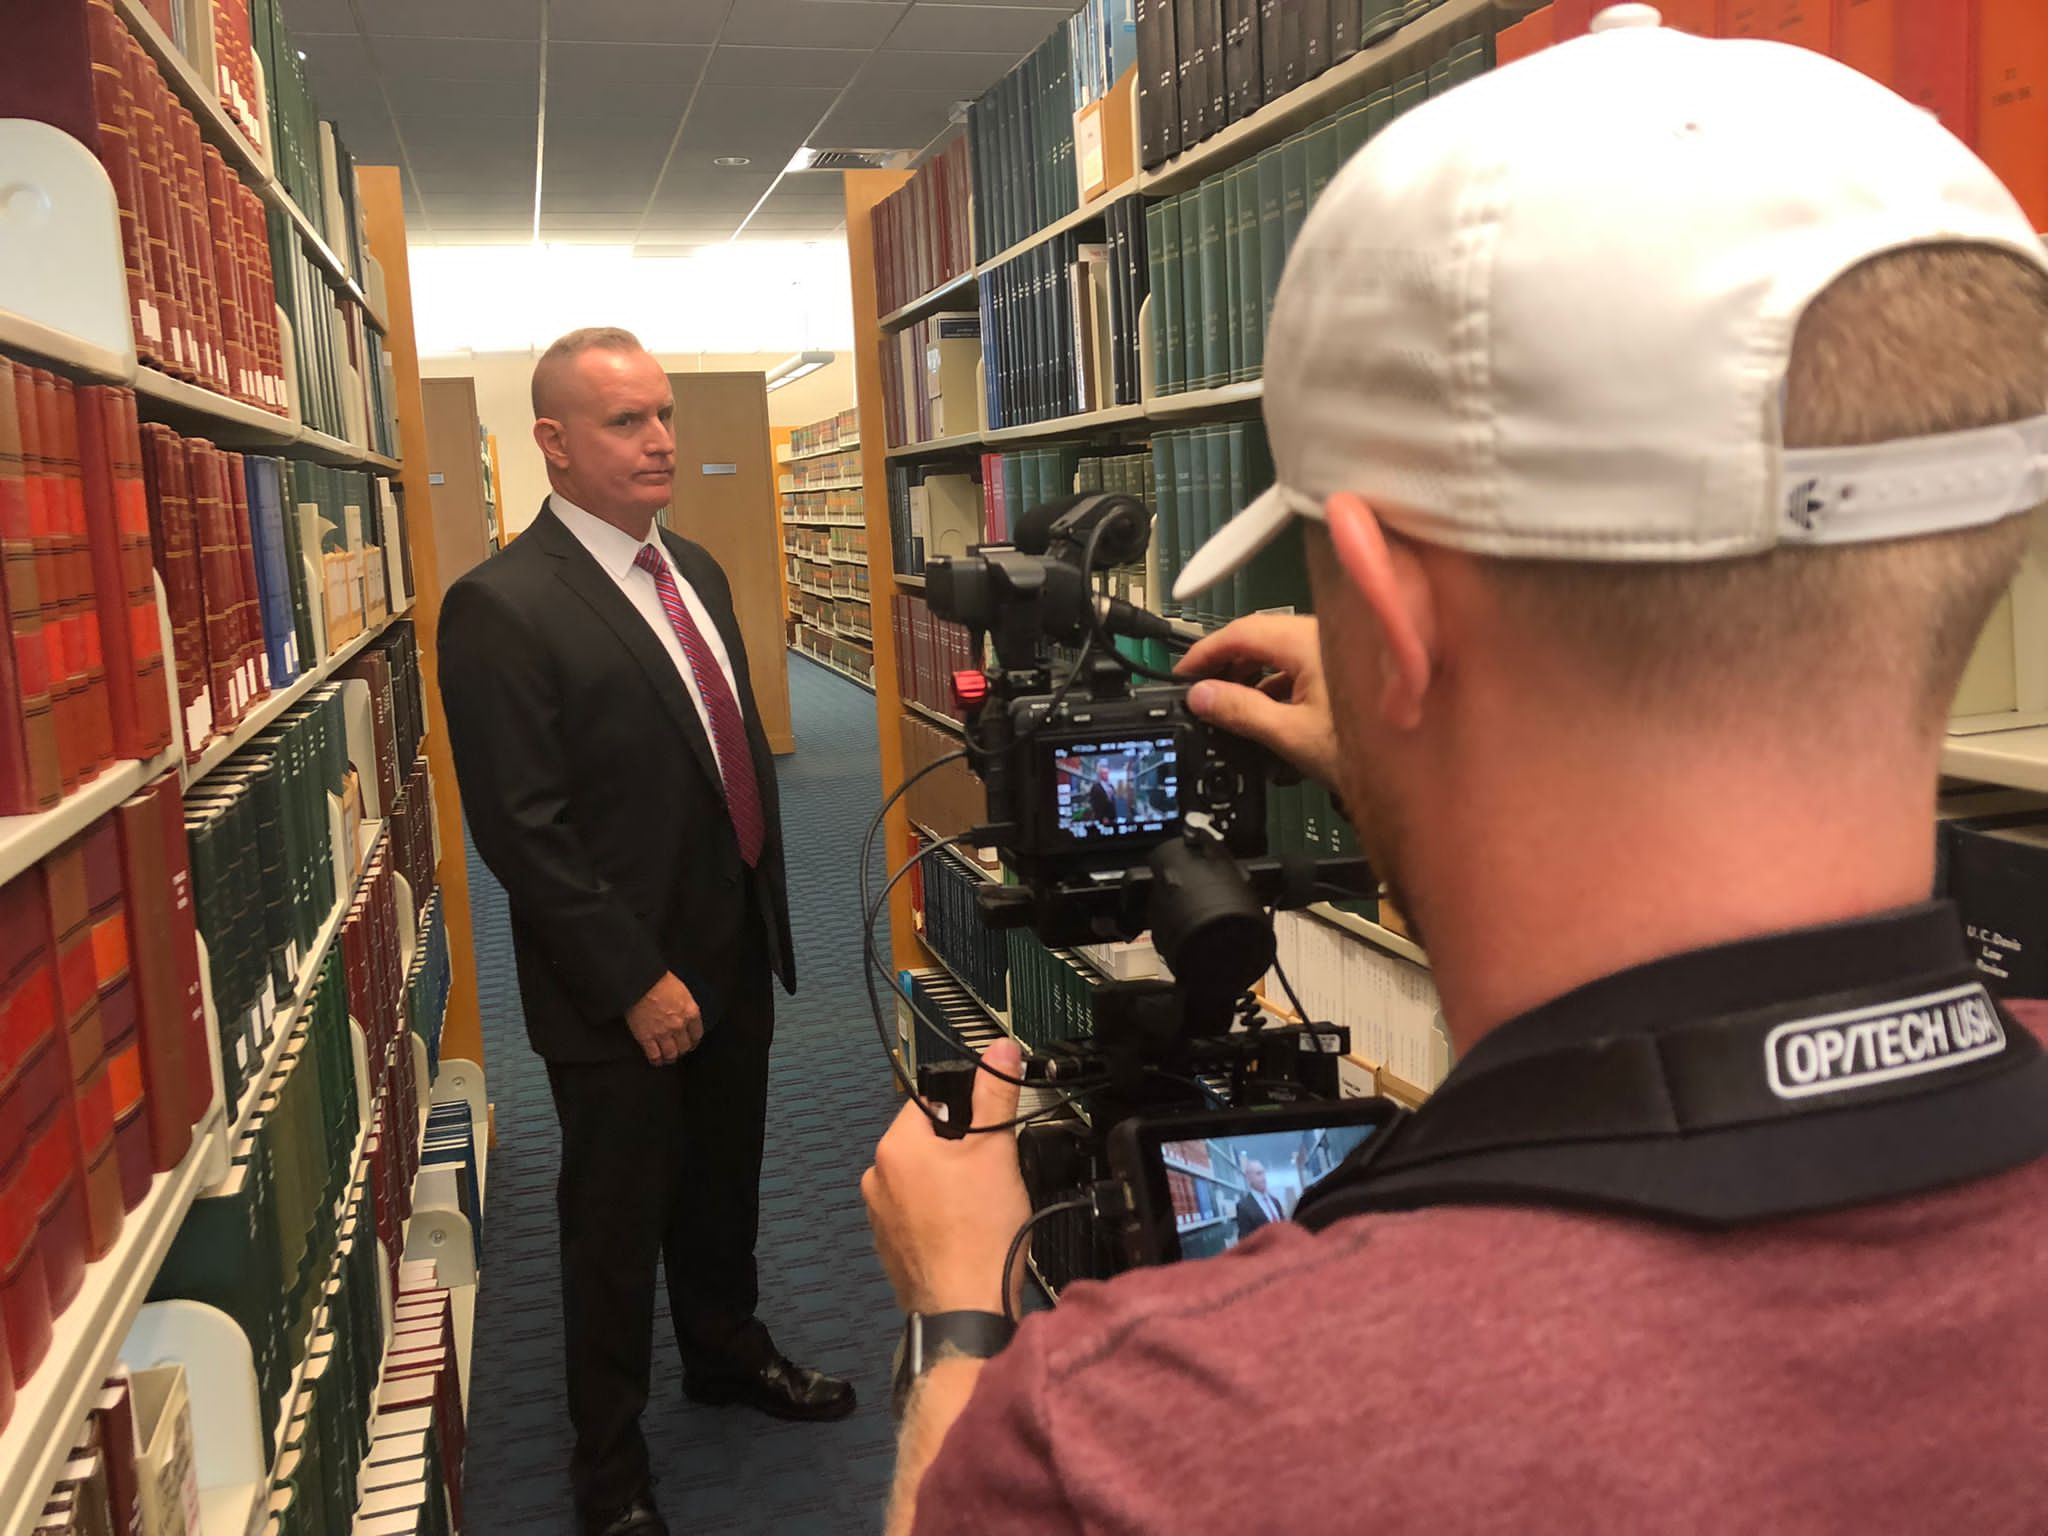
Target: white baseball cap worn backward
1549,314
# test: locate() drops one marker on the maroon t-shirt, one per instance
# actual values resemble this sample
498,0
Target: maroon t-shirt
1495,1369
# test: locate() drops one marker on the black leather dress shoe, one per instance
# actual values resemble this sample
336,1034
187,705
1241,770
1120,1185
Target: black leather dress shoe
639,1518
781,1389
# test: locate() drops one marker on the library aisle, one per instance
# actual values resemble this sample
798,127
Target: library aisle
717,1469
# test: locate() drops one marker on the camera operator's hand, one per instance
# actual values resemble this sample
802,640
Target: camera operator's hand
666,1022
944,1212
1289,711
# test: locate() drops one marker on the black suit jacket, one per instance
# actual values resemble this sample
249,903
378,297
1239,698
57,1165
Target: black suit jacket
592,793
1249,1216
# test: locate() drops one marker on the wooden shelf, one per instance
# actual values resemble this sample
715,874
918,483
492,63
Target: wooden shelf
2017,759
260,715
302,987
252,164
820,453
1316,99
915,582
27,840
236,424
1203,402
823,522
86,1340
836,485
1059,226
1371,932
1063,426
98,364
937,445
944,722
967,283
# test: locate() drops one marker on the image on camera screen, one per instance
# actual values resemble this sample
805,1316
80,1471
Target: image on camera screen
1113,789
1224,1188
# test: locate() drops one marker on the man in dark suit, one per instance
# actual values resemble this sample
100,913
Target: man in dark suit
616,780
1257,1205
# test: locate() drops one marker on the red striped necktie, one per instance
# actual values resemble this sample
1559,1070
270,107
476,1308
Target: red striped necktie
728,728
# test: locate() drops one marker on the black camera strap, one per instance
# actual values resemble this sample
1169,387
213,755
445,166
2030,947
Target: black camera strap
1826,1102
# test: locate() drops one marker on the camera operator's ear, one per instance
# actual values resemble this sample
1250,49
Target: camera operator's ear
1392,584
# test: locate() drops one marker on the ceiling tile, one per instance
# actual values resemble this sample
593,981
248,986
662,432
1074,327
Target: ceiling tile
820,23
449,18
337,62
467,98
591,194
637,21
887,120
605,98
965,75
784,66
598,63
814,223
1013,29
304,16
466,236
457,58
786,108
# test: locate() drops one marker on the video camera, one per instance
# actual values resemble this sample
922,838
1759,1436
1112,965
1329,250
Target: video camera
1120,813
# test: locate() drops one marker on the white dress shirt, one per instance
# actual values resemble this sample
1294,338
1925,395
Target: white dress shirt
616,550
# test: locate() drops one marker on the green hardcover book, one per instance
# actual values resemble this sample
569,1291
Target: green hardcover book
1251,298
1410,92
1469,60
1315,810
1061,462
1283,818
1351,131
1272,179
1088,474
1187,512
1379,111
1168,302
1377,18
1216,512
1293,187
1416,8
1160,342
1215,367
1013,488
1234,498
1191,300
1165,521
1233,284
1322,158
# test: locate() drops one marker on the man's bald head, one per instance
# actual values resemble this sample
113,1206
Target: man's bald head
551,375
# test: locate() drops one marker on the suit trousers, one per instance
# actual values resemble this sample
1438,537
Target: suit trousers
660,1166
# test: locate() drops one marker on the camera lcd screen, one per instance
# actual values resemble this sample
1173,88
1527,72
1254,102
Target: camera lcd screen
1223,1188
1106,792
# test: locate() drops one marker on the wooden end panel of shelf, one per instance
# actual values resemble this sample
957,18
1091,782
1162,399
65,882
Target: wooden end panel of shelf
384,215
864,189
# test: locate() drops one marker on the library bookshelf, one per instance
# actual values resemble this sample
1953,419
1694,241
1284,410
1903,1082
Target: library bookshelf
57,313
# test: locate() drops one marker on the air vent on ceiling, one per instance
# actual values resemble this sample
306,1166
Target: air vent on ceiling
854,159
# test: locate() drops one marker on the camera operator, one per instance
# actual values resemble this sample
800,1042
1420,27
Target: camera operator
1637,701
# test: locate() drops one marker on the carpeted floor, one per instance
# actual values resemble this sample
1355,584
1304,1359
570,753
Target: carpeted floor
822,1292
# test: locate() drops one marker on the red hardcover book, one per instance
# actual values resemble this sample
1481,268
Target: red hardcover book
30,776
1932,61
1805,23
200,1042
56,1183
263,294
227,270
192,199
185,235
106,39
46,518
1864,37
114,1414
121,574
219,579
174,540
121,1041
167,1031
254,659
146,633
153,157
83,649
235,57
25,1309
2012,99
67,896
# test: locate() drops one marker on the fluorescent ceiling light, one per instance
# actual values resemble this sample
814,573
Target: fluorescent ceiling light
790,369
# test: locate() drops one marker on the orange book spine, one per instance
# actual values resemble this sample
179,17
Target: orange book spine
1864,36
2012,99
1532,34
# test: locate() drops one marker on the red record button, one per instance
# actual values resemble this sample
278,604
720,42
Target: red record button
969,689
